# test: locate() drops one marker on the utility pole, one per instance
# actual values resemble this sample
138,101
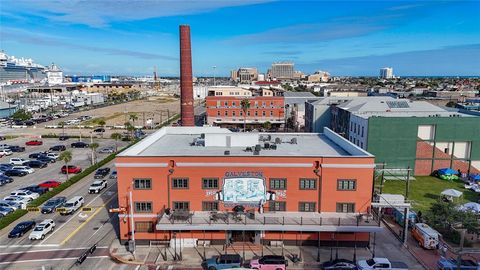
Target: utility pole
132,226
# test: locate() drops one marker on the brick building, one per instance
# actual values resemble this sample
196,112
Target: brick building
192,183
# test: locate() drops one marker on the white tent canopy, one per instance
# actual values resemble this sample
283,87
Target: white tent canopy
471,206
452,193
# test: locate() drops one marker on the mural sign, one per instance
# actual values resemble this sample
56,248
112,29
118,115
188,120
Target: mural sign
244,190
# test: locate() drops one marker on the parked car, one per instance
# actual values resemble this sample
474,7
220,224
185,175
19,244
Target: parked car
20,200
99,130
12,172
107,150
63,137
10,204
5,152
45,158
25,193
50,184
18,161
51,205
23,168
21,228
36,155
79,145
451,264
101,173
274,262
58,148
72,205
339,264
71,169
225,261
36,189
16,148
5,166
6,179
34,142
380,263
42,229
113,175
36,164
97,186
53,155
2,138
5,211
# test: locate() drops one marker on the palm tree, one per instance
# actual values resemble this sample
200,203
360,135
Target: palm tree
245,104
129,128
133,117
66,156
102,123
116,136
93,146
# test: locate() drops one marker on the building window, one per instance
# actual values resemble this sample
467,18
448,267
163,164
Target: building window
225,103
306,207
278,183
233,113
362,131
218,113
233,104
264,104
218,104
271,113
256,104
263,113
144,226
271,103
226,113
278,206
248,113
345,207
346,184
142,183
143,206
209,206
241,113
308,183
181,206
181,183
209,183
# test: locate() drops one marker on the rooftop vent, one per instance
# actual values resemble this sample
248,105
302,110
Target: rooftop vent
256,153
266,145
226,153
258,147
293,141
248,149
273,146
278,140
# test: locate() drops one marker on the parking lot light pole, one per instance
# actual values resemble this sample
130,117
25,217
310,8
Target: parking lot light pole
132,226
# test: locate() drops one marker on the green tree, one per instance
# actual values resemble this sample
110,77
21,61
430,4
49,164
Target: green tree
133,117
66,156
267,125
93,147
129,127
21,115
116,136
451,103
245,104
101,122
62,125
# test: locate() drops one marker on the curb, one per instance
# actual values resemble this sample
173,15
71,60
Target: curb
119,259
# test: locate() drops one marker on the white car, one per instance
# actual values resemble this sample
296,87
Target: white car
18,161
42,229
97,186
23,201
10,204
24,168
5,152
53,155
25,193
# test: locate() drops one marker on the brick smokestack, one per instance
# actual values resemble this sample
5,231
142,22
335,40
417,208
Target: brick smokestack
186,84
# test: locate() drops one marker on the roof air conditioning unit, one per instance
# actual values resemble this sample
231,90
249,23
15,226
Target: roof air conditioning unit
293,141
278,140
226,153
256,153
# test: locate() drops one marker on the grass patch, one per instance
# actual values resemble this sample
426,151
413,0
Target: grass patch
8,219
425,190
96,120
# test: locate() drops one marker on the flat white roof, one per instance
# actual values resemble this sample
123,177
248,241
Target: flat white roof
214,141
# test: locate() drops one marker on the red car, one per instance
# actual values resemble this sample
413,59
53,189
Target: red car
71,169
50,184
34,142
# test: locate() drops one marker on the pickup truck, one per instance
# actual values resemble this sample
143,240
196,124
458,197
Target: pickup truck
380,263
97,186
451,264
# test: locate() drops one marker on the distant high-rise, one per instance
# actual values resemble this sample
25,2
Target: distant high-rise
386,73
186,83
283,70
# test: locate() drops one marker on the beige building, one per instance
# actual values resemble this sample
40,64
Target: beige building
229,91
244,75
319,76
347,94
283,70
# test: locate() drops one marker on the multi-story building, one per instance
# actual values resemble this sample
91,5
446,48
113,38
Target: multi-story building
223,106
386,73
208,184
295,108
404,133
244,75
283,70
319,76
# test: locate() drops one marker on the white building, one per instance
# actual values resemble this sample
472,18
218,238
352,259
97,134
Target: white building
283,70
54,75
386,73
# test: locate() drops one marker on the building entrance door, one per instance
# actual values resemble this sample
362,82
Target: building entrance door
237,236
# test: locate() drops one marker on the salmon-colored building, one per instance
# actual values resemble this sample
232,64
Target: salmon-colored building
208,184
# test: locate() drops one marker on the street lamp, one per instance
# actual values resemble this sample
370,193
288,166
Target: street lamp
132,225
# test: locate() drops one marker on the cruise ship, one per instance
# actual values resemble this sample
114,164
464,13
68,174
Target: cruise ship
20,70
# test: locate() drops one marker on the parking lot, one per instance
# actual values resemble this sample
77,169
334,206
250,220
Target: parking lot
65,226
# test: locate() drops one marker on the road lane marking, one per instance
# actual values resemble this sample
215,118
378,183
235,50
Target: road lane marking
32,245
61,226
86,221
53,249
55,259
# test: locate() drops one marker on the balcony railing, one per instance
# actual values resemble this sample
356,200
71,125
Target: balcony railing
287,221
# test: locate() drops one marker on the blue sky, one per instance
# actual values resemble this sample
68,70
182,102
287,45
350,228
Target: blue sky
354,38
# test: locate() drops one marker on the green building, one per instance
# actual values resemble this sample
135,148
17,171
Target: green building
415,134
